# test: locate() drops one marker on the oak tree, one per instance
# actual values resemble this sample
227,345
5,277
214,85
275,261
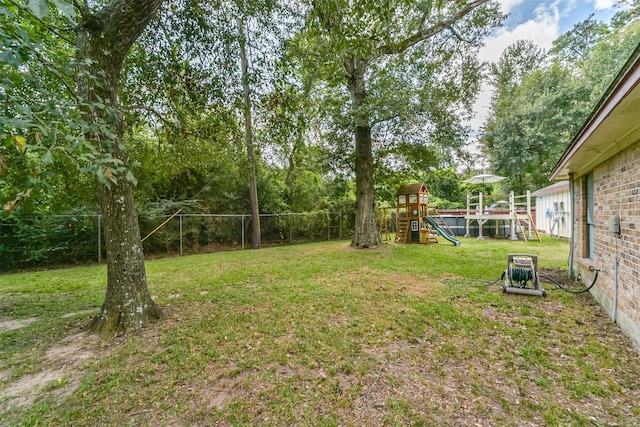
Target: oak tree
362,40
90,43
104,37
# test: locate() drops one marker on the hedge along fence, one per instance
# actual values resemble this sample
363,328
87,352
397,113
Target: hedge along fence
30,241
194,233
27,241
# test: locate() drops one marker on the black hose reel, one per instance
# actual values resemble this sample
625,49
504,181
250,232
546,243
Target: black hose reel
521,276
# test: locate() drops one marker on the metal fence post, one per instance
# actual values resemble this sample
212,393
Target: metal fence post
243,232
291,218
99,238
180,234
328,226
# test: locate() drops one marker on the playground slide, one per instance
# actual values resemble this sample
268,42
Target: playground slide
433,224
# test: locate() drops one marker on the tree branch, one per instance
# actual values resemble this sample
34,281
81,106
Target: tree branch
152,110
57,73
384,119
425,33
82,5
122,22
457,35
85,10
53,29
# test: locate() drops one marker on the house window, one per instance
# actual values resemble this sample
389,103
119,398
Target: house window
590,221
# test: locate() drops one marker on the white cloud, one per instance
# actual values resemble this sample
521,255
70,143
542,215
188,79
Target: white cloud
541,32
509,5
604,4
542,29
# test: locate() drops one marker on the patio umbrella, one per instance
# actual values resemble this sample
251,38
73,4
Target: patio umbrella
484,178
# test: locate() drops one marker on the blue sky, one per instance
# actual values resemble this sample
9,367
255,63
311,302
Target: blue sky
543,21
539,21
568,12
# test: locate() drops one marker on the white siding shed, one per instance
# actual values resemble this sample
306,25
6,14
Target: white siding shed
553,209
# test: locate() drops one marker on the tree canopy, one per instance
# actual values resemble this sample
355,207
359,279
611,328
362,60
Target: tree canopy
542,98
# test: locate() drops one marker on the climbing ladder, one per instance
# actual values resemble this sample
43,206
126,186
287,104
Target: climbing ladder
432,235
440,220
383,220
403,230
384,232
525,224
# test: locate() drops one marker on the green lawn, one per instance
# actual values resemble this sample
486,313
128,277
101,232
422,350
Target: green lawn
319,334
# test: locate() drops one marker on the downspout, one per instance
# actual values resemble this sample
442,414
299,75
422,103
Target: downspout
615,291
616,266
573,213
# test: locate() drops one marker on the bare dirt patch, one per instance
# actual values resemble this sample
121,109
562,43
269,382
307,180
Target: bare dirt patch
11,324
60,376
559,275
79,313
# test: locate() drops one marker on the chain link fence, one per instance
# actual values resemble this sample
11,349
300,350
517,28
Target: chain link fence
30,241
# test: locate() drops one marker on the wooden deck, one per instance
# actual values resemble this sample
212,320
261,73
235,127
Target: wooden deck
516,210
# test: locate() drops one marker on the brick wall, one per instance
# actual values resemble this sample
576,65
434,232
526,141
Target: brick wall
616,192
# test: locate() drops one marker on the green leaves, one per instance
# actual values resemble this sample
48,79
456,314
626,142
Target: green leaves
39,8
542,99
131,178
66,9
47,158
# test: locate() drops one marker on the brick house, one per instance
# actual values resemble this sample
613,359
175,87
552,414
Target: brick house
602,164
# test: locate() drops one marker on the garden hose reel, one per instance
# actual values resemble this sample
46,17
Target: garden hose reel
521,276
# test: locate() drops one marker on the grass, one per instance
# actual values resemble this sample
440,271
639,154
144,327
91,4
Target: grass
321,334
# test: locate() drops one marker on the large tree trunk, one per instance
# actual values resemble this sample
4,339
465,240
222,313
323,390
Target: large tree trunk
104,38
366,231
127,304
248,127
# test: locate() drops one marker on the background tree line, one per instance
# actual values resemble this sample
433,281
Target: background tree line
542,98
185,130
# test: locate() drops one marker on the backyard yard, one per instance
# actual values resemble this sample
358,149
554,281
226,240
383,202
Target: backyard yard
319,334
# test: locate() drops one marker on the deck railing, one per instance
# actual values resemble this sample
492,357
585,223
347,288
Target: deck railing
499,204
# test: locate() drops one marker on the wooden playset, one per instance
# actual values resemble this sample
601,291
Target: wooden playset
418,222
386,215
